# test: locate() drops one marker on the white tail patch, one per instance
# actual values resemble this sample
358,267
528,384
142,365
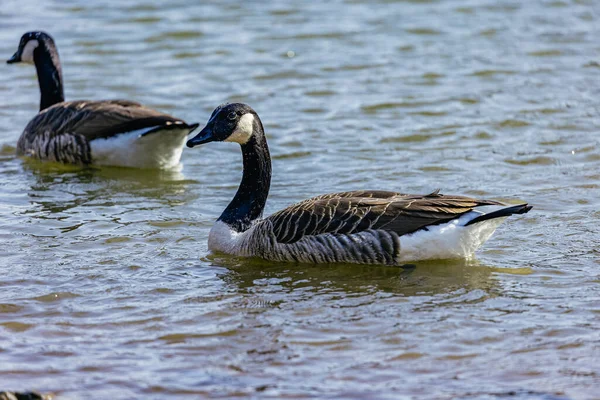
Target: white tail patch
27,53
160,149
449,240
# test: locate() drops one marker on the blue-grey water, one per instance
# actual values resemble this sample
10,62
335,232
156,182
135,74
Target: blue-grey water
107,288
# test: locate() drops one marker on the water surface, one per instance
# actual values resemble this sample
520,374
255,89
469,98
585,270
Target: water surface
109,291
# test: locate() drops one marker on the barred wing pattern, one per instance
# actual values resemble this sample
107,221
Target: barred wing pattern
352,227
353,212
62,132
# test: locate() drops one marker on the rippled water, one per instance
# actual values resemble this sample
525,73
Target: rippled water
108,290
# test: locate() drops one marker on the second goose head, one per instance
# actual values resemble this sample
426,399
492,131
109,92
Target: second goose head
38,48
236,122
33,44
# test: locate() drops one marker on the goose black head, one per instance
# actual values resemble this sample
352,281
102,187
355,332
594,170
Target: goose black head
228,123
30,41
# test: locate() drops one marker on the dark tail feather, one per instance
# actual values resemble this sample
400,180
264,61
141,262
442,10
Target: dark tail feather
504,212
192,127
175,126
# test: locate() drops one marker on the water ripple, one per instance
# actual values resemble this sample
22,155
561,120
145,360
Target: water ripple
109,290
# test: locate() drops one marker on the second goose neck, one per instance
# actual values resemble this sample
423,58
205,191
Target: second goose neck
49,73
249,201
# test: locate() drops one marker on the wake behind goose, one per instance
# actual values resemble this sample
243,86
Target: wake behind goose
111,132
364,227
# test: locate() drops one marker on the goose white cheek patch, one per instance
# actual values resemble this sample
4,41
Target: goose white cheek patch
243,130
27,54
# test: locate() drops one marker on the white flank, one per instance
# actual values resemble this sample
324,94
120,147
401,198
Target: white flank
160,149
449,240
243,130
27,53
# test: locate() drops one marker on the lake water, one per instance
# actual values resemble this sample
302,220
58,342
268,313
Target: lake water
108,290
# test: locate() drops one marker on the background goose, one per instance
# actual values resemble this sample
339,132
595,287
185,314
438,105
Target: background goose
113,132
366,227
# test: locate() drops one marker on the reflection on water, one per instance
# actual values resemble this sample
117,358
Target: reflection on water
108,288
57,188
424,278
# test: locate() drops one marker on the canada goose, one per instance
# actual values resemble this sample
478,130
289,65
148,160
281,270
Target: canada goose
365,227
112,132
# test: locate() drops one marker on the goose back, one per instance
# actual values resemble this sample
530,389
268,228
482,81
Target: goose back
357,211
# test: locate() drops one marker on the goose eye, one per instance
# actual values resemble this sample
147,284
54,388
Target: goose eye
231,116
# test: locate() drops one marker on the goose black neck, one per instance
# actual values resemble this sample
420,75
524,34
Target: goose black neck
251,197
49,73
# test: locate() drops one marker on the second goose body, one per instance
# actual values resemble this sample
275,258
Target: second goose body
111,132
364,227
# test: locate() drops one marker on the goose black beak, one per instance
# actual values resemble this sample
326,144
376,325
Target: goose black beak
205,136
14,59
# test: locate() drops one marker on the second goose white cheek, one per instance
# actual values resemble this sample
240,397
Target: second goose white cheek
243,130
27,54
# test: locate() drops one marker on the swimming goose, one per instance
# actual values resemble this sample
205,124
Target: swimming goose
365,226
112,132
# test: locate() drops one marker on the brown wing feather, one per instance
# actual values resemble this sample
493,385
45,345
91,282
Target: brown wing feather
352,212
96,119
